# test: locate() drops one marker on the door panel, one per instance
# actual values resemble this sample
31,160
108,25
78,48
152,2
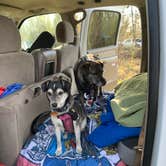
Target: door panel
110,59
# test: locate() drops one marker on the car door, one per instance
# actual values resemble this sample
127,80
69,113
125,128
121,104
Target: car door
99,33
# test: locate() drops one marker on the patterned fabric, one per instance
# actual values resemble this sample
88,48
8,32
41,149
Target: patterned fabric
40,149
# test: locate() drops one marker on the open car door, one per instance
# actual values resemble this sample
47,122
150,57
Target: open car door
99,33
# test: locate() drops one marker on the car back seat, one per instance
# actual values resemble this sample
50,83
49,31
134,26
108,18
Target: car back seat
68,54
18,110
15,65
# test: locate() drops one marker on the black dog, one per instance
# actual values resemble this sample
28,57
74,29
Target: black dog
89,76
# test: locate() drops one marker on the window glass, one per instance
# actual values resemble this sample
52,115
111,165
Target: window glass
33,26
102,32
130,43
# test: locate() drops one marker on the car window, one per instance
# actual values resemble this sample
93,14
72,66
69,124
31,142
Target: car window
32,27
102,32
129,43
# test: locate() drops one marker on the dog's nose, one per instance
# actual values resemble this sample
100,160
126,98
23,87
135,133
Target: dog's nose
54,105
102,82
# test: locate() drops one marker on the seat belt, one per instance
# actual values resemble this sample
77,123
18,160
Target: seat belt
140,147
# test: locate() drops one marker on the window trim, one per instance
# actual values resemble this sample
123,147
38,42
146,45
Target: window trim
154,72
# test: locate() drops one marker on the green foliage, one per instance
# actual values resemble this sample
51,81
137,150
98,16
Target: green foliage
130,24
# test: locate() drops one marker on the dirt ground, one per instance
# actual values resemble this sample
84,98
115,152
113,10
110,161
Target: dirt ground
129,63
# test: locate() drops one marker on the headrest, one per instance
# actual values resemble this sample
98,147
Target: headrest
44,40
10,40
65,32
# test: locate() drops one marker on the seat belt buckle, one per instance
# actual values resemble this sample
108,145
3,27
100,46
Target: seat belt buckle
138,148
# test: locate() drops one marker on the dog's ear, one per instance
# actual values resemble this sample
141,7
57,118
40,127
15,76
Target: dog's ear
92,66
102,64
45,85
66,85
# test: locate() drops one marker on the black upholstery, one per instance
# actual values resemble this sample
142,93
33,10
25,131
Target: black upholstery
44,40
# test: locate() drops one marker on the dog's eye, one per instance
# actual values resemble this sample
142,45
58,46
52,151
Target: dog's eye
60,93
49,93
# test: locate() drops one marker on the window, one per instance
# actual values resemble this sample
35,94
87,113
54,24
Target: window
33,26
130,43
102,32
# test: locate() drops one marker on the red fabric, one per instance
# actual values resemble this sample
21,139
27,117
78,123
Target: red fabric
73,144
2,164
121,163
24,162
67,122
2,89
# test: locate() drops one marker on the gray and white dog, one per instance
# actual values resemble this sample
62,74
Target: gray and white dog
67,112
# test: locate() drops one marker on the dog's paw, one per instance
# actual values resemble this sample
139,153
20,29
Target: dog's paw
65,136
79,149
58,152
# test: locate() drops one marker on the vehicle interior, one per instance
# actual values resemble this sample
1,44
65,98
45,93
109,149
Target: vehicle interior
30,65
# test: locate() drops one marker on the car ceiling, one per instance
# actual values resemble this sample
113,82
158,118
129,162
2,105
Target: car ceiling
19,9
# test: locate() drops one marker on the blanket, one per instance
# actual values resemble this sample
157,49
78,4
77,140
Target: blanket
109,131
39,149
130,101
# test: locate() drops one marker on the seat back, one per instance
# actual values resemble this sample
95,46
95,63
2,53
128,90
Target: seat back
45,62
15,65
69,52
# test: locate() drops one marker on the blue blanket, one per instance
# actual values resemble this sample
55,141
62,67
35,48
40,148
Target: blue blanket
40,150
111,132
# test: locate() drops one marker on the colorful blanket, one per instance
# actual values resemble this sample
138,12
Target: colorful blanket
40,149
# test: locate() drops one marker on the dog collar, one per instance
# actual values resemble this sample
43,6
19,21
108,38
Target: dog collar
61,111
65,109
